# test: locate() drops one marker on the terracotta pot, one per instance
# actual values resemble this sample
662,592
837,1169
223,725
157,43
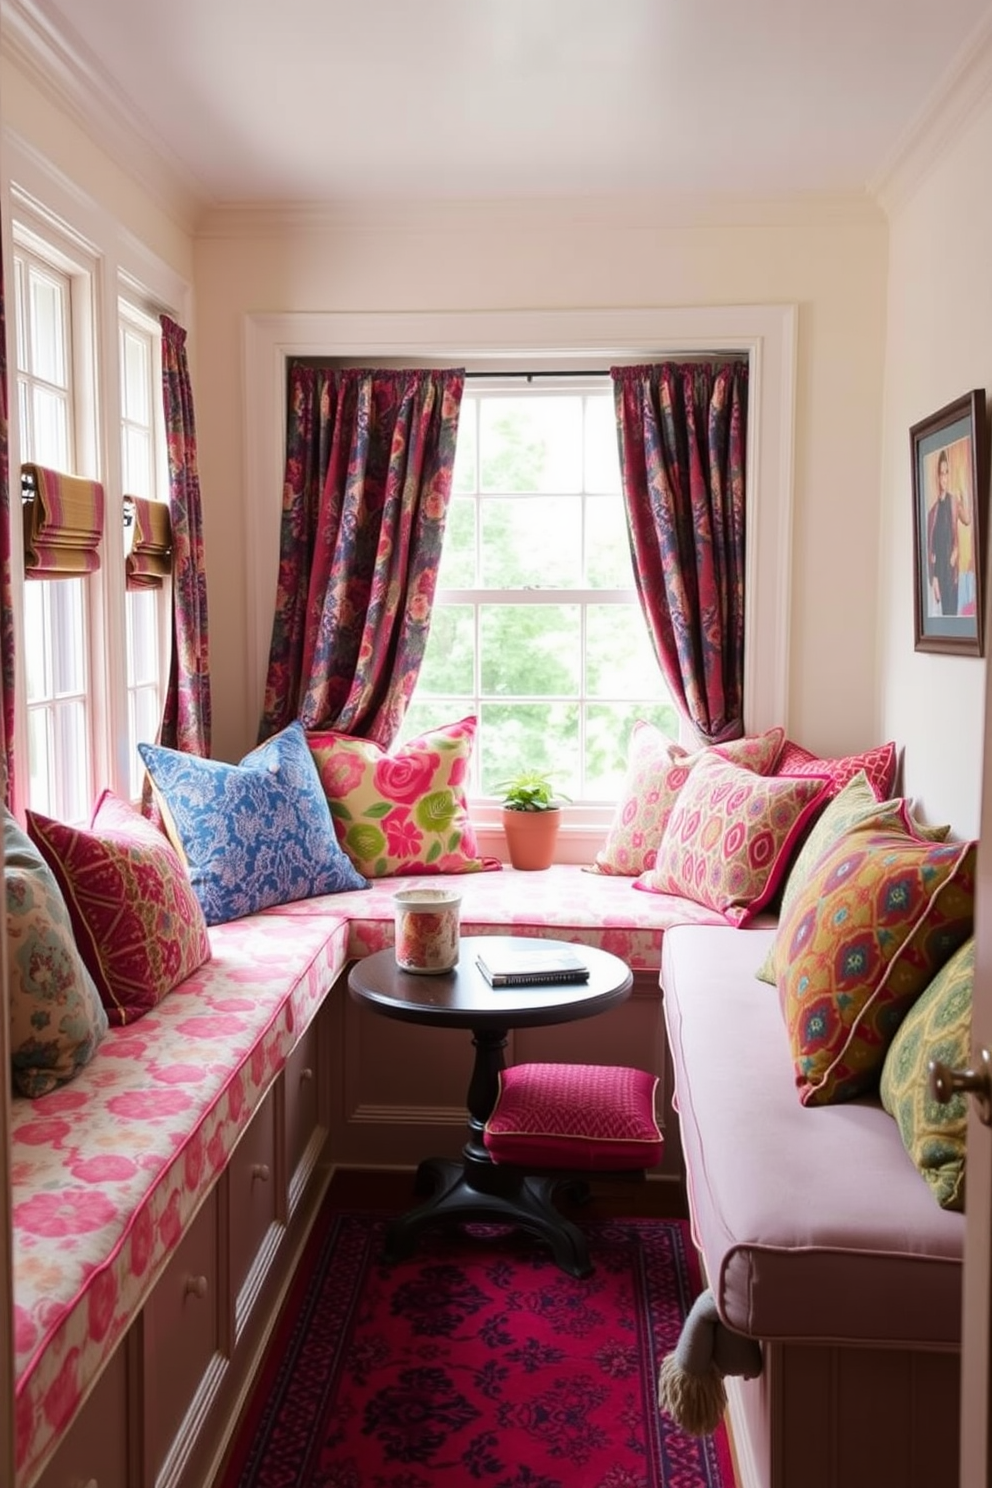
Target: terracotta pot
531,837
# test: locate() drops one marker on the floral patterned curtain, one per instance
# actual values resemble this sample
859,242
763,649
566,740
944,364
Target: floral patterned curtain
186,717
6,599
369,462
682,431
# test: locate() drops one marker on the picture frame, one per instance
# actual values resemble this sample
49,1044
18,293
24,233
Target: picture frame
950,466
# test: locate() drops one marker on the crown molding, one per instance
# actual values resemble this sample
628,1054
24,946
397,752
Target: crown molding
620,212
57,62
964,88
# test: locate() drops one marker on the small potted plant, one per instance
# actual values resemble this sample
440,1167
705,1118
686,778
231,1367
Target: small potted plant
531,816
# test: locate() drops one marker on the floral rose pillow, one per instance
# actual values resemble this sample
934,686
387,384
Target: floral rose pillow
401,811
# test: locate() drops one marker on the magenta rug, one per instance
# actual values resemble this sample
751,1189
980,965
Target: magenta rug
477,1362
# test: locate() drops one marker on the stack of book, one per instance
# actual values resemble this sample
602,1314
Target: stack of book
506,966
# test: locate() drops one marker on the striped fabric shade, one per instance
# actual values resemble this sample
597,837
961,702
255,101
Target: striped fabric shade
63,523
149,556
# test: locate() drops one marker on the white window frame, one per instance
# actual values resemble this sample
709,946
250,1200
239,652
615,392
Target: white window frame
134,317
545,339
550,385
55,252
40,200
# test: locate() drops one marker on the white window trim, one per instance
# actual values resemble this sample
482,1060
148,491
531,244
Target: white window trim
38,196
491,340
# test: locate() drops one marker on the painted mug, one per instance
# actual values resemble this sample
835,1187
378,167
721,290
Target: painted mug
427,923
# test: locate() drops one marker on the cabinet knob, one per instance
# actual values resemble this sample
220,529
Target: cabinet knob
946,1083
261,1172
196,1286
305,1075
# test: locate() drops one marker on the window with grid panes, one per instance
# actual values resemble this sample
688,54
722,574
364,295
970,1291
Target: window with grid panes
536,627
142,474
56,611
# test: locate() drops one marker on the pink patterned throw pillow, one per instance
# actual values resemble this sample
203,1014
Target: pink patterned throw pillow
136,920
405,810
657,769
879,765
731,837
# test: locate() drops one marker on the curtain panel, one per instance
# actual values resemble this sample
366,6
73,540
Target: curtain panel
6,590
63,523
186,717
369,463
682,432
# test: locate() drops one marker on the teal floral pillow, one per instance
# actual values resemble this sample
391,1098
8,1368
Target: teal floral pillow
253,834
56,1017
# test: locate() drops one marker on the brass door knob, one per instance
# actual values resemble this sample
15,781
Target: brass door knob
945,1083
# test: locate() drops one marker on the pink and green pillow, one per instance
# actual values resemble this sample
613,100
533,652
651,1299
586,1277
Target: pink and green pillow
405,810
254,834
657,769
875,921
57,1020
731,836
136,920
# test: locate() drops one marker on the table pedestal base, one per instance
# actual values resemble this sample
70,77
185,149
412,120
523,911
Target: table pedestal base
472,1192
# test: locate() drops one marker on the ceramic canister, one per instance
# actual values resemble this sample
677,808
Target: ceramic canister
427,923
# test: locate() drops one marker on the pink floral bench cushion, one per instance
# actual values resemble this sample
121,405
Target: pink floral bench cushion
563,903
109,1170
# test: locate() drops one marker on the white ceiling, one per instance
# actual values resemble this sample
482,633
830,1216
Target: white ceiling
319,101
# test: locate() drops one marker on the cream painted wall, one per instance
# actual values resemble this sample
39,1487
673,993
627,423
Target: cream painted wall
939,346
831,261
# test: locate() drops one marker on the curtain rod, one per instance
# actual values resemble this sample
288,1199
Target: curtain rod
590,372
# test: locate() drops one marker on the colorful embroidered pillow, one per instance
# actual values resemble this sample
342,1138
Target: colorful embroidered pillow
56,1017
854,805
878,764
137,922
937,1026
877,918
404,811
253,834
657,769
731,836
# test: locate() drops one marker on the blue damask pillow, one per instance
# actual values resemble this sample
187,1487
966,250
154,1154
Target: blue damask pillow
253,834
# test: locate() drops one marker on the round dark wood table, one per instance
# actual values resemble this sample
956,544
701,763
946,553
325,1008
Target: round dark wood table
475,1189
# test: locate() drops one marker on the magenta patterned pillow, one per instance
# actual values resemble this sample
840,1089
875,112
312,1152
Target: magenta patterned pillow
878,764
136,920
403,811
732,835
657,769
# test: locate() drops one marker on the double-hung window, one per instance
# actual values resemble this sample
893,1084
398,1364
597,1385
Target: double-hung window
52,307
143,474
536,627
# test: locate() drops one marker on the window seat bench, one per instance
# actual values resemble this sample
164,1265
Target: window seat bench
161,1197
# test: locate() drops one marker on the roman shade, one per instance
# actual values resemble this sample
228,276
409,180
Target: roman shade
63,523
149,548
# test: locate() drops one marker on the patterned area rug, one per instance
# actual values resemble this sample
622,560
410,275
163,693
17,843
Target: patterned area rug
477,1361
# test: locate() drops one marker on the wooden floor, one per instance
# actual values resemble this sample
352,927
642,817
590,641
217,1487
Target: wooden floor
614,1198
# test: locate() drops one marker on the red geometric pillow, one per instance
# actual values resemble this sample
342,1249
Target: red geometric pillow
879,765
137,923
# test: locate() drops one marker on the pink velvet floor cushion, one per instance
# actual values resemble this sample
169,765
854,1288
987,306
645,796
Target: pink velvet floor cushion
596,1117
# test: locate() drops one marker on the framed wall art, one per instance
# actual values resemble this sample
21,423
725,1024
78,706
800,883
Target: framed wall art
950,463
